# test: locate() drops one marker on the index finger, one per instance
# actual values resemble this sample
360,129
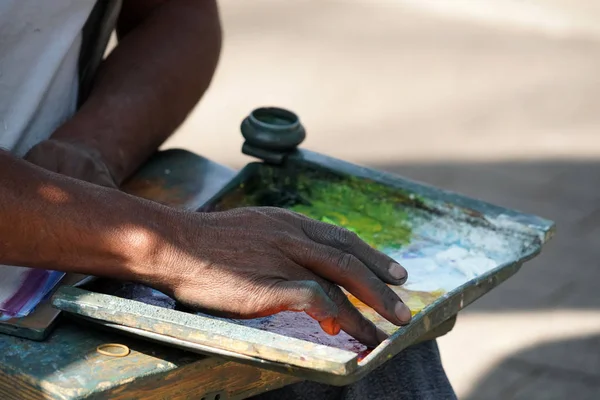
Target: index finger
385,267
347,271
350,319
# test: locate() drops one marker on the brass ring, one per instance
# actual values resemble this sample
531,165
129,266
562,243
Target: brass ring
124,353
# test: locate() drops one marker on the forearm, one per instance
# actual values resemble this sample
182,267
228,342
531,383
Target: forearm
148,84
54,222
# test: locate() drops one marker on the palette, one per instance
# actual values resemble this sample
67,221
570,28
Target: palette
455,249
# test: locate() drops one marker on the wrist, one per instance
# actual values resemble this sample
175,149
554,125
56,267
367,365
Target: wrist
157,250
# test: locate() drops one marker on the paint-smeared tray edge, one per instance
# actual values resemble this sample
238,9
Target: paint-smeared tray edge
206,331
334,373
446,306
454,205
447,202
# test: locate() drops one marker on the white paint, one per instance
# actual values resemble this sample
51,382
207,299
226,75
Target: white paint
445,253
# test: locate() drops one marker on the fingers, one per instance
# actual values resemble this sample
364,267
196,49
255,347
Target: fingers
349,272
342,239
351,320
326,303
307,296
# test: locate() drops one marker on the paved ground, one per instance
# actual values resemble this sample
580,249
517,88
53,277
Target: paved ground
495,99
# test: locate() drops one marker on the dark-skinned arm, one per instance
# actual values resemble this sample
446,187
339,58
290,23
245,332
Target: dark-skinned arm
244,263
166,56
51,221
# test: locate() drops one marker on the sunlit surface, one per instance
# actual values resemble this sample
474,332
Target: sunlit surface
497,100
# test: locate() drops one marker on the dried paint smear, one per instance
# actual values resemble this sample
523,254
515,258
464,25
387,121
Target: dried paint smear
441,252
21,289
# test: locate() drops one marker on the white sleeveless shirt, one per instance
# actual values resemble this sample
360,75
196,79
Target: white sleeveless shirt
40,42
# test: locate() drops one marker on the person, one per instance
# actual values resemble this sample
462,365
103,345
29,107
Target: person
75,125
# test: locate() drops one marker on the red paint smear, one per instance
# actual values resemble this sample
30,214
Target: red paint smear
363,354
300,326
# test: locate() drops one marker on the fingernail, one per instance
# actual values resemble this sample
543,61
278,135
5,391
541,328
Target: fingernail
336,328
403,312
397,271
381,335
327,326
331,326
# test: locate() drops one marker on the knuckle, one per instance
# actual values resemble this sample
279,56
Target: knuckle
343,238
266,210
346,263
312,289
260,294
380,288
367,326
287,243
308,293
274,238
275,212
313,228
386,295
271,217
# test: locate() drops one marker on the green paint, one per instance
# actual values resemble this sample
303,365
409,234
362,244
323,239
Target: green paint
369,209
375,212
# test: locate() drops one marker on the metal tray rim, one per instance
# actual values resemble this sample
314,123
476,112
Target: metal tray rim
536,228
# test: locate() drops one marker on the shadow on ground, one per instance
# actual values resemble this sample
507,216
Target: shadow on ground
526,376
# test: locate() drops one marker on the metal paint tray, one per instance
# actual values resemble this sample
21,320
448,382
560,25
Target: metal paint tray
499,241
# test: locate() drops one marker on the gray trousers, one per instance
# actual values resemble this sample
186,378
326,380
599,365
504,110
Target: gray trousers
414,374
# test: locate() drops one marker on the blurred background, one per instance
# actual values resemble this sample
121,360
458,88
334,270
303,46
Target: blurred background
496,99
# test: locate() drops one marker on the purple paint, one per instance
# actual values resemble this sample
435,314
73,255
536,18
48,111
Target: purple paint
34,280
301,326
21,289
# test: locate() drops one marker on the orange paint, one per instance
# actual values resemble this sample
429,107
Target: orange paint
416,301
363,354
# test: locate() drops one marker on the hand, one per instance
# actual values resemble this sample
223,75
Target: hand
73,160
254,262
